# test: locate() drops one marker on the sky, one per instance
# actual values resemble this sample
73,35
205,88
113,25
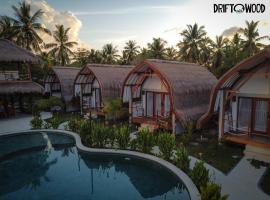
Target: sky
97,22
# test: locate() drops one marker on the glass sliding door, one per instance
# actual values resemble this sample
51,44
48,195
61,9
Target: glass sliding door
149,104
261,121
244,114
158,104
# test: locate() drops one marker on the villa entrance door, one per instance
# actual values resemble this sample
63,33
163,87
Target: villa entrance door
261,118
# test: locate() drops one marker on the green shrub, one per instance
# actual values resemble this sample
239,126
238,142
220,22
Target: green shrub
182,160
73,124
100,134
212,191
145,140
122,136
36,122
166,144
47,104
114,109
199,174
186,136
54,122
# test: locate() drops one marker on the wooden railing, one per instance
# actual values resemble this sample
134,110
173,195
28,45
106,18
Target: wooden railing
14,76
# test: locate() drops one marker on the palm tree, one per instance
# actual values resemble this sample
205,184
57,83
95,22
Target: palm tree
252,40
130,52
218,50
193,37
171,53
61,49
109,54
157,48
47,61
94,56
7,28
81,57
27,26
205,52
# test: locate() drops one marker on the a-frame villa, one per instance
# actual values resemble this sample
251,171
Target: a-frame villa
16,85
97,82
241,99
59,82
167,94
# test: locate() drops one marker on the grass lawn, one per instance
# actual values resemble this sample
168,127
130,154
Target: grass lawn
223,156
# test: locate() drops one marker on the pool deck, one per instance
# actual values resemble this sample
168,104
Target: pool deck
19,123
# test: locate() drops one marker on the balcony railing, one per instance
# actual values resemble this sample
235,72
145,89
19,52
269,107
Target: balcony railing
13,76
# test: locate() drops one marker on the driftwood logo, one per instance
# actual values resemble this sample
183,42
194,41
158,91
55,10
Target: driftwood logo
239,8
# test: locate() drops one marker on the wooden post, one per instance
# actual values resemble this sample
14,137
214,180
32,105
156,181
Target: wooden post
221,114
173,124
130,109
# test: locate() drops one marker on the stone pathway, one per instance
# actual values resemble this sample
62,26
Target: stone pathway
19,123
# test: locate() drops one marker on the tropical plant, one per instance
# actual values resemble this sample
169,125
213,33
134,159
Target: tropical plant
144,54
193,37
114,109
47,61
28,26
36,122
122,136
251,44
130,52
48,104
182,160
186,136
81,57
109,54
54,122
73,124
218,50
145,140
94,56
205,55
212,191
100,134
61,49
157,48
166,144
199,174
7,28
171,53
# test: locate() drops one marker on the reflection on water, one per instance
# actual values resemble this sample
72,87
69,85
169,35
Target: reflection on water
63,173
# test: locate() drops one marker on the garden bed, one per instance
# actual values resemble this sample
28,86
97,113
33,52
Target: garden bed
223,156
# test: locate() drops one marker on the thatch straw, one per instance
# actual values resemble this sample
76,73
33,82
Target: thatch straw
9,52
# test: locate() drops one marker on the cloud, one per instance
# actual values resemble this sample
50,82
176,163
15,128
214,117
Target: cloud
231,31
51,17
130,10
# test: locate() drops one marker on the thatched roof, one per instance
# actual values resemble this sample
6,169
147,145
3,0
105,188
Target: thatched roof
231,77
110,78
189,84
66,77
9,52
9,87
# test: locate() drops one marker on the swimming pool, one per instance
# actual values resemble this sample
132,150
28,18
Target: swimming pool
47,165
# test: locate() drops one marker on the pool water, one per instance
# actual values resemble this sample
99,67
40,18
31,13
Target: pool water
57,170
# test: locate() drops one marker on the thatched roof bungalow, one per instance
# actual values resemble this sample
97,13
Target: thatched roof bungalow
167,94
98,82
59,82
241,100
15,77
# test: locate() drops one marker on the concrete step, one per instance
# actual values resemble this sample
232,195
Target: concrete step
258,153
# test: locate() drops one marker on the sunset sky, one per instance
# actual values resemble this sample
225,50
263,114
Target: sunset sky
95,23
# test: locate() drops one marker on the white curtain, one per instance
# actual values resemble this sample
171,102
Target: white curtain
244,114
77,89
166,105
149,107
158,105
261,112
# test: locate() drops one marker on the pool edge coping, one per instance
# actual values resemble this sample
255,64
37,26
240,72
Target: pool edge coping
192,189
